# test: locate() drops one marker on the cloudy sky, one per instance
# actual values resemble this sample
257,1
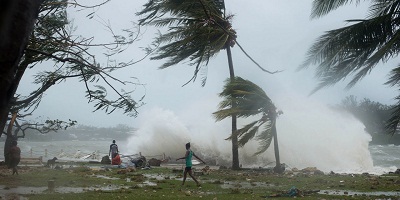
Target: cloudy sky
276,33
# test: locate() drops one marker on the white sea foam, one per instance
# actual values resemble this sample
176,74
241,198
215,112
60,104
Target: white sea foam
310,135
313,135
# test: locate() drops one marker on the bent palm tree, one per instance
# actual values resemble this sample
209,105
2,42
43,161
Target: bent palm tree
244,99
198,30
356,49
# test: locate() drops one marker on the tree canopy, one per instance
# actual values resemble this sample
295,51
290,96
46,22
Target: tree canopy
249,100
197,31
66,55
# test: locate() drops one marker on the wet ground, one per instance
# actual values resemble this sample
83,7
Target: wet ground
151,180
354,193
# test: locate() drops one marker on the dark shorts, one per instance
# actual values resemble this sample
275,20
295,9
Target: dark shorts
188,168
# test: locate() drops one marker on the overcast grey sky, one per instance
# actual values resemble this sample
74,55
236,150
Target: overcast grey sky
276,33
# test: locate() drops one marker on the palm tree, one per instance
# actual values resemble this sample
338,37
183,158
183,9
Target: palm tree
197,31
243,98
356,49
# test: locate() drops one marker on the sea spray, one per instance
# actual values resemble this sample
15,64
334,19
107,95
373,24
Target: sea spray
313,135
160,132
310,134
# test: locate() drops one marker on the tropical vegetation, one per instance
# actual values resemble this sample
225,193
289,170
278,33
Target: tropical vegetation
61,55
196,31
65,55
374,116
245,99
356,49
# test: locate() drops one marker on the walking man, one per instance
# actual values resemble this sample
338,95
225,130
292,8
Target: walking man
188,160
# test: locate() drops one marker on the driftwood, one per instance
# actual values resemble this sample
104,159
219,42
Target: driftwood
38,160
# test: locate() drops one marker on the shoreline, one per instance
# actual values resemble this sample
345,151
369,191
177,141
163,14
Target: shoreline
83,180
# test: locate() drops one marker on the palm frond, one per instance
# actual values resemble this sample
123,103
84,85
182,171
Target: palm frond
224,113
243,99
264,138
323,7
194,34
379,8
247,133
394,78
354,49
392,125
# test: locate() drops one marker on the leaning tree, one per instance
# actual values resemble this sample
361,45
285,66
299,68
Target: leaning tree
245,99
62,55
68,56
197,30
17,18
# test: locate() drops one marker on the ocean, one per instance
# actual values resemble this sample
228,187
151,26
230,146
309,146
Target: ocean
385,158
311,135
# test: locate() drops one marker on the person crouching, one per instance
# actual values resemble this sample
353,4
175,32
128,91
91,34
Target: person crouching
116,159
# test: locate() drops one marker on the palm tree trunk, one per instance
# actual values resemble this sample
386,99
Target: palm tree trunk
276,148
278,168
235,146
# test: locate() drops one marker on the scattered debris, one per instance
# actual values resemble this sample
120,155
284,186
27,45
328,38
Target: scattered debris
206,170
154,162
292,192
124,171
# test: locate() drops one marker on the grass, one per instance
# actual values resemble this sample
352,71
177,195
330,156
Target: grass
219,184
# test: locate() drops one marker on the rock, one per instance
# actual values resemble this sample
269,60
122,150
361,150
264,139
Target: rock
309,169
154,162
318,172
105,160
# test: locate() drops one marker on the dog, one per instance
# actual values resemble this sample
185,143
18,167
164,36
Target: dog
51,162
206,170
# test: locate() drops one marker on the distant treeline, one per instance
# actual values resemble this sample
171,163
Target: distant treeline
83,133
374,116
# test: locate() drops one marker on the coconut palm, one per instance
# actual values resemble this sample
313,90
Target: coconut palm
244,99
197,31
356,49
